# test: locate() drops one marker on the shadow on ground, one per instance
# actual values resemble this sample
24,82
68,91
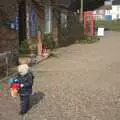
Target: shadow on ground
53,55
36,98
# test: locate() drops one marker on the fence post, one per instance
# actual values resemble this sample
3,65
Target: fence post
6,60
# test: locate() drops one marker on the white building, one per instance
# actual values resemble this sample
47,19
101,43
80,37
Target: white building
109,11
116,10
101,12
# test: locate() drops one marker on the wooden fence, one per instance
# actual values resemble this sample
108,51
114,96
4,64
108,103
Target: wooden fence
4,60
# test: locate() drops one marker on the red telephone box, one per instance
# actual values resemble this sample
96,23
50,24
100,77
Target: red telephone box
88,23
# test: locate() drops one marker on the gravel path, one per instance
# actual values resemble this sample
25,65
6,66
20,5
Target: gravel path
80,83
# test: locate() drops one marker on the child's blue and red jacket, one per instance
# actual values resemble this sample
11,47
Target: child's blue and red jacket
27,81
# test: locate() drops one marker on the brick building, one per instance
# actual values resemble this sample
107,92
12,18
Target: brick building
8,35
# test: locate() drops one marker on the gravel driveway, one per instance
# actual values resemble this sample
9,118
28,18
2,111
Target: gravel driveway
82,82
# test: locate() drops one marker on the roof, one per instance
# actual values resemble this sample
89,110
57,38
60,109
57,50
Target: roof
73,4
105,7
58,4
116,2
64,3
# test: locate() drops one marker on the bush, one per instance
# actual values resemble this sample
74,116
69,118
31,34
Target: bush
48,41
28,47
24,48
88,40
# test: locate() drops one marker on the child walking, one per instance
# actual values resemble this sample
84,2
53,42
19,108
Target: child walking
25,80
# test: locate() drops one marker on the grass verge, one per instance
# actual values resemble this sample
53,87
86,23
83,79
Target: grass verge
113,25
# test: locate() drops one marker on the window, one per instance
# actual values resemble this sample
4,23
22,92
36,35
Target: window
107,11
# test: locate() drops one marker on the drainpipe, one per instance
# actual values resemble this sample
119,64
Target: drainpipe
81,11
27,20
22,20
48,19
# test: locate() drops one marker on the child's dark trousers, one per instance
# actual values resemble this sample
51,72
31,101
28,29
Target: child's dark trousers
24,103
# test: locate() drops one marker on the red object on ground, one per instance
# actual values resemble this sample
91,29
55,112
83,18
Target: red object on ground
44,50
89,23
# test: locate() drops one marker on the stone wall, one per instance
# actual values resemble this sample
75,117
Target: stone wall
8,37
9,42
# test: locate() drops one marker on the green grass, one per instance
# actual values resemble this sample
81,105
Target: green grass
113,25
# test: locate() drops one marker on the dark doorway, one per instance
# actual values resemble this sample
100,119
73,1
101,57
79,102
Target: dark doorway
22,21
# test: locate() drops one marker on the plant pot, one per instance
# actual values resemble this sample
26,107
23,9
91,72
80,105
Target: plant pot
24,59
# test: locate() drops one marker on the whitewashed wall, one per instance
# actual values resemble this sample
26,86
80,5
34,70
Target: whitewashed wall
115,12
